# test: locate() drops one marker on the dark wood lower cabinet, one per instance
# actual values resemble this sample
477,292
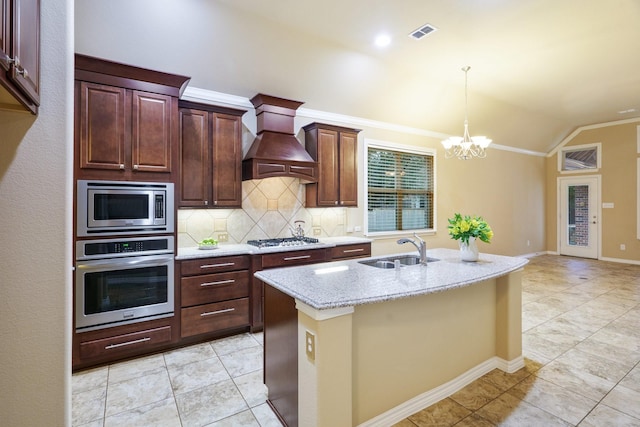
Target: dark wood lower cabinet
281,354
121,342
218,316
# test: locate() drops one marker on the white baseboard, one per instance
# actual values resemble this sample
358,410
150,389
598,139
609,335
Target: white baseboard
428,398
620,260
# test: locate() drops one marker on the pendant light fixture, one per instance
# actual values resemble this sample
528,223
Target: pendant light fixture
466,147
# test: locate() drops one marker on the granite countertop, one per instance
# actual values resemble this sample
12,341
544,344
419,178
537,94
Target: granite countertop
349,283
225,249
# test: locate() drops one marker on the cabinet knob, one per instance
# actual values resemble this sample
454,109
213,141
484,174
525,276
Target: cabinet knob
23,71
335,203
135,167
215,202
206,202
121,166
15,61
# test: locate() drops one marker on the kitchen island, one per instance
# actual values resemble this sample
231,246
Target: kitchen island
350,344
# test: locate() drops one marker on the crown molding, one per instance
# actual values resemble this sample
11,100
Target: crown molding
212,97
580,129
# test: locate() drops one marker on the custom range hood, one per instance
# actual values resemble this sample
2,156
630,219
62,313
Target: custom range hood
276,151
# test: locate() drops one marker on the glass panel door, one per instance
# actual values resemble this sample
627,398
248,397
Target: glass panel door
578,227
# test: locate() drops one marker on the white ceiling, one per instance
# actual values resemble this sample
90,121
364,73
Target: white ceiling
539,68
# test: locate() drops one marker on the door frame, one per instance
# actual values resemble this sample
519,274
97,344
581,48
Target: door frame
567,180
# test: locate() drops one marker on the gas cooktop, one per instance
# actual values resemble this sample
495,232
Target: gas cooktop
283,241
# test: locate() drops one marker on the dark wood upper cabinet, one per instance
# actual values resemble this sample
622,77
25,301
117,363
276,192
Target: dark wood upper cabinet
151,132
126,121
20,55
102,119
210,156
335,149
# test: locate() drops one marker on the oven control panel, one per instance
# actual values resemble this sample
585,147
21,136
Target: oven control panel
107,248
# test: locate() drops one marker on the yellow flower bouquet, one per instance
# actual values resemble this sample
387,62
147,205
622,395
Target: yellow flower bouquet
464,227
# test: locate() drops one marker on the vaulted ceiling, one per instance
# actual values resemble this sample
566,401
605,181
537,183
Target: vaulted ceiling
539,68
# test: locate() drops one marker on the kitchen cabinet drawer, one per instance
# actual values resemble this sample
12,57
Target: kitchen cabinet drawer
351,251
209,288
124,345
285,259
214,317
214,265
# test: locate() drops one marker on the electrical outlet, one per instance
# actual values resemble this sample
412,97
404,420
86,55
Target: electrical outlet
223,237
310,344
623,247
528,243
316,231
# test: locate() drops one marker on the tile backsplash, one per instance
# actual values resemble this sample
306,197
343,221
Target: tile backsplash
269,209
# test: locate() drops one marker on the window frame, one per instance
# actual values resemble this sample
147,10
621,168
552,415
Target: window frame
583,147
407,149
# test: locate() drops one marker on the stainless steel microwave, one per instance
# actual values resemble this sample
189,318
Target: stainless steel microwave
124,207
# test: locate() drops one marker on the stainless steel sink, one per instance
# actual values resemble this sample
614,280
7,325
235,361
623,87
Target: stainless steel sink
389,262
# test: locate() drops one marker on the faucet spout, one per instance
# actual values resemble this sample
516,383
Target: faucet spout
421,246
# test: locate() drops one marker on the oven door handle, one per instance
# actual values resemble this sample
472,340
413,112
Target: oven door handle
124,262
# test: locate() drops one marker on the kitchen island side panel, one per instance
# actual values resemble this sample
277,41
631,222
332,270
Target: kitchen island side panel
281,354
406,347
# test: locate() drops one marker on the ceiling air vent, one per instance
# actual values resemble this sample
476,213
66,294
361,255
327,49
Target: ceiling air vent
422,31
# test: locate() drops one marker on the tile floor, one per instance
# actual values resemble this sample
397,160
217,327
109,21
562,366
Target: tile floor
216,384
581,342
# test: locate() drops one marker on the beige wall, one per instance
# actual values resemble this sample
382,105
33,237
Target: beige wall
618,186
35,255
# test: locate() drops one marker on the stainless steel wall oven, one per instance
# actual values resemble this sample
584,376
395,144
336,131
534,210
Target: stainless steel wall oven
125,280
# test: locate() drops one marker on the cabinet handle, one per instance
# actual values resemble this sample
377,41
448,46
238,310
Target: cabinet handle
122,344
211,313
121,166
135,167
206,202
215,202
352,250
224,264
341,202
221,282
293,258
335,203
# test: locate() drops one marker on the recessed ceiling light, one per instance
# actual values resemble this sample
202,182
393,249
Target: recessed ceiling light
419,33
382,40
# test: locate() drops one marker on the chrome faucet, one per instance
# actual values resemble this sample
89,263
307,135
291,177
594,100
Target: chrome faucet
422,247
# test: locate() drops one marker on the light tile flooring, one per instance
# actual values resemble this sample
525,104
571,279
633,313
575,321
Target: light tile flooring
217,384
581,342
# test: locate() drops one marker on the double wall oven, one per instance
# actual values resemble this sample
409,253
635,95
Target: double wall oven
124,270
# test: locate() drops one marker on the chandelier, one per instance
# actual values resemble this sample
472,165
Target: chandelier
465,147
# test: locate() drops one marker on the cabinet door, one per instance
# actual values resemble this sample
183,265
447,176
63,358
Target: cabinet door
4,34
327,167
151,132
102,126
194,158
26,48
348,186
227,160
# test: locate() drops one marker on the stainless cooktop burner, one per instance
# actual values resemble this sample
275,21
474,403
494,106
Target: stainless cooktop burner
283,241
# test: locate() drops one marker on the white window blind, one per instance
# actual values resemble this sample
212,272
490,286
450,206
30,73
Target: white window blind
400,190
